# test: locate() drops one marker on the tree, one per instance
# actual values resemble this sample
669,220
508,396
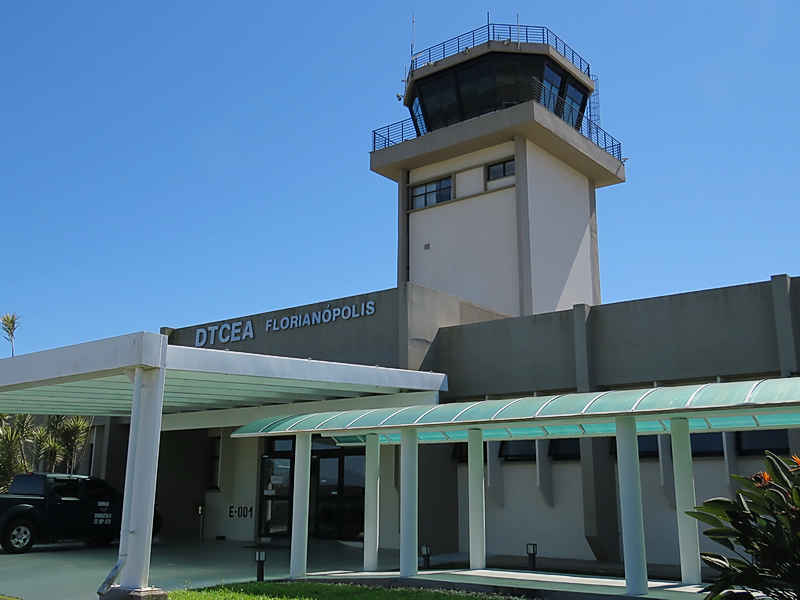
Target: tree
10,463
762,527
9,322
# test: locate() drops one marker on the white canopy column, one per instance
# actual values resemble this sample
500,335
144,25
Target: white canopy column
630,500
477,500
688,537
144,464
409,521
372,484
302,485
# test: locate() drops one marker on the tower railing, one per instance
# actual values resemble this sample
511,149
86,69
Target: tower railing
506,97
499,33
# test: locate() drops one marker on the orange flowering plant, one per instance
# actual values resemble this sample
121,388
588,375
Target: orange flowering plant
762,528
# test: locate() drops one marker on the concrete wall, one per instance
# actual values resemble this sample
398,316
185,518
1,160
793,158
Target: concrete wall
464,248
369,339
467,247
397,334
506,357
238,487
560,210
727,332
558,530
730,332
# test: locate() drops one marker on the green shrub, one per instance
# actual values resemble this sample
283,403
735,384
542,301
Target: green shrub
762,527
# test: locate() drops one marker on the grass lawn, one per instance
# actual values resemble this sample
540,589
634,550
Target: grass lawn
319,591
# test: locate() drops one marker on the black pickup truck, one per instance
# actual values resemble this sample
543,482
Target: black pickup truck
52,507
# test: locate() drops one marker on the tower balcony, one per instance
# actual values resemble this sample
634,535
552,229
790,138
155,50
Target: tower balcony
490,84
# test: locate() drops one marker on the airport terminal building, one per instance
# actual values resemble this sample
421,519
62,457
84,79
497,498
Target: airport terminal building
498,288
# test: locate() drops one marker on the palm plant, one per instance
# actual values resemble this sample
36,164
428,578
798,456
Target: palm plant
10,463
762,526
74,433
24,425
9,323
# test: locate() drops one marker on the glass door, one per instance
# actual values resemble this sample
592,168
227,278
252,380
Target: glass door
277,472
337,496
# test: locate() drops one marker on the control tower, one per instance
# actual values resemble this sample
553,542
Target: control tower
497,170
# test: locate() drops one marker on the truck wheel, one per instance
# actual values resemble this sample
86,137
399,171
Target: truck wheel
18,536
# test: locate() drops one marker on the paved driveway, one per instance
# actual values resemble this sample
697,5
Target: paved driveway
74,571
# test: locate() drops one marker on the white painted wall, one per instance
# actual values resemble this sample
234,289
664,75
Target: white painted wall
469,182
389,533
525,516
559,205
239,464
559,530
480,158
473,250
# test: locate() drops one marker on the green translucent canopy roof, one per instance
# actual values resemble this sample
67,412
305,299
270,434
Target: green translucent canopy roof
771,403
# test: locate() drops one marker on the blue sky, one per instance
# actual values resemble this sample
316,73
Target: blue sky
166,164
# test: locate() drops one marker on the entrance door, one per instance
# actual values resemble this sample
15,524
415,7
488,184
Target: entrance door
337,507
336,503
275,508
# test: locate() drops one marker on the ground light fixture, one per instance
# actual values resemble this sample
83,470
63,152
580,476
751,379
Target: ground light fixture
531,550
426,556
261,556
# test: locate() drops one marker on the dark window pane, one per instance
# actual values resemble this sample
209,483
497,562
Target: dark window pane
96,489
648,446
707,444
460,452
572,106
509,167
283,445
419,120
468,90
28,485
518,450
755,443
66,488
550,88
484,84
495,171
566,449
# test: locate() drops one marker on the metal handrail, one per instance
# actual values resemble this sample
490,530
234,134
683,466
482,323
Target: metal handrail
520,92
500,33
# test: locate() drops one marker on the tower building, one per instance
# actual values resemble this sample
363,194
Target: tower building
497,169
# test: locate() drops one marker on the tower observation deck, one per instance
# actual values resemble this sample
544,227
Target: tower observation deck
518,64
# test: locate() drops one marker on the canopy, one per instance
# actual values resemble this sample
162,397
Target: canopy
743,405
95,378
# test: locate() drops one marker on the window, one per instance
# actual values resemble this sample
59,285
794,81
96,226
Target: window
648,446
213,479
755,443
66,488
518,450
550,87
28,485
419,120
565,449
572,106
431,193
500,170
97,489
707,444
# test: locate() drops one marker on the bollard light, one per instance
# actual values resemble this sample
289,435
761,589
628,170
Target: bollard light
532,550
261,556
426,556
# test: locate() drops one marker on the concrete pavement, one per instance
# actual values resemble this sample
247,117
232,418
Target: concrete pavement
74,571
